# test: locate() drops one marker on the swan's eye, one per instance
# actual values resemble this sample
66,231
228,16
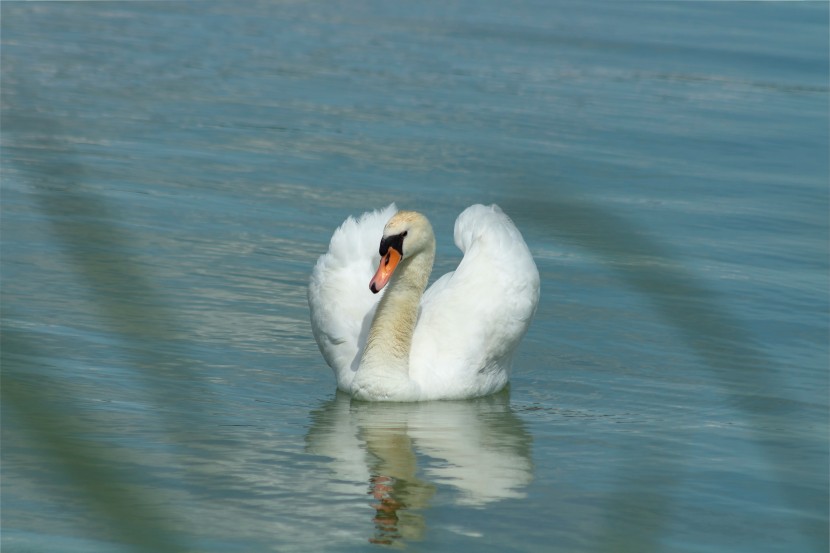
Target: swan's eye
395,241
404,233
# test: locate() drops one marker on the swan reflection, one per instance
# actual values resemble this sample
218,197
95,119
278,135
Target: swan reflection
403,454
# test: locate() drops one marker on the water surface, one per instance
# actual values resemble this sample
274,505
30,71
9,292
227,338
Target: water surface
171,171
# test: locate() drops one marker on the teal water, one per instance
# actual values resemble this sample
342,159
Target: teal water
171,171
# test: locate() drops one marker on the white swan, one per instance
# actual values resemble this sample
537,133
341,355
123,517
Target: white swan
456,340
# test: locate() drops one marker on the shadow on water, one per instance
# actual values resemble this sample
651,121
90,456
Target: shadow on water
479,448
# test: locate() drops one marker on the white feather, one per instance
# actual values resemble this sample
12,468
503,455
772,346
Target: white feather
470,320
341,304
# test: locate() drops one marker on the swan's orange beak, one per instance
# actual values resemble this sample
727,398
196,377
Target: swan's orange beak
387,266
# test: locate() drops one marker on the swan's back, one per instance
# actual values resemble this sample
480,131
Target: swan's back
338,293
472,320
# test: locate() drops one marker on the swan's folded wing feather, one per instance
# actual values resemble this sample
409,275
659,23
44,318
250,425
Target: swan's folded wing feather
339,298
472,320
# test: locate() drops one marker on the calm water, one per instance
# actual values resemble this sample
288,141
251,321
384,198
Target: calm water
171,171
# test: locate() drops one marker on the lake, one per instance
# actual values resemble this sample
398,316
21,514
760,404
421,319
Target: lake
171,171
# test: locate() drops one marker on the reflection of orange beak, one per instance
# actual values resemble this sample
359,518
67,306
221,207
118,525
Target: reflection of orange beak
387,266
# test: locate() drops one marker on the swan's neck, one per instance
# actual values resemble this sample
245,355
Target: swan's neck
384,367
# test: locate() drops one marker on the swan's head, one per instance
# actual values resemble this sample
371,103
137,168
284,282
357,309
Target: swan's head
407,234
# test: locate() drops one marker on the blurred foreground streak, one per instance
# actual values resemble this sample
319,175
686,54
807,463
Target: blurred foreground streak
748,378
38,407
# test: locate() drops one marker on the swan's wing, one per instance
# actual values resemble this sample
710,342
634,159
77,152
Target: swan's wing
472,320
341,304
